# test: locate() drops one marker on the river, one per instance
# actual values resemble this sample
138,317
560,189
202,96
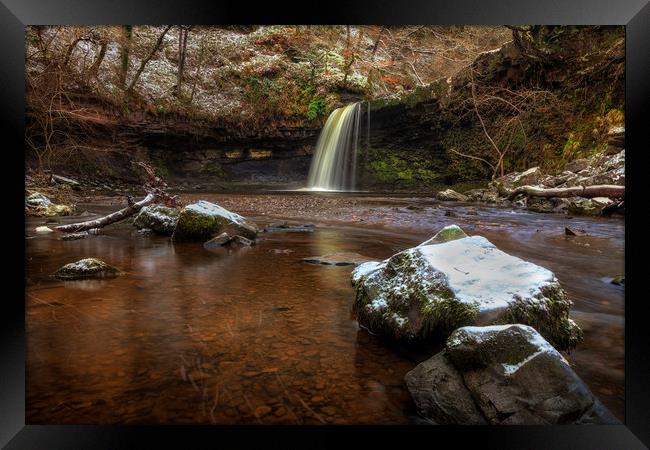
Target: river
255,335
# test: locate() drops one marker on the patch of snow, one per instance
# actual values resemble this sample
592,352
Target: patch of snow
212,209
364,269
509,369
479,272
399,320
378,304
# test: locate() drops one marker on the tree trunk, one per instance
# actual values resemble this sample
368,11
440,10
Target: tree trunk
107,220
602,190
94,69
182,47
146,60
124,55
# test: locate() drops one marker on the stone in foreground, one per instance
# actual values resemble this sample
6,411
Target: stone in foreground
502,375
338,259
202,220
454,280
158,218
86,268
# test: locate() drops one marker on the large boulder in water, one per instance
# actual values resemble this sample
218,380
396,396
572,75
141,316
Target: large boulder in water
202,220
454,280
86,268
502,375
158,218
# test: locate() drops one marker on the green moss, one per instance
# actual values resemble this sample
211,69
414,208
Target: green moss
549,315
192,226
316,108
86,268
427,310
215,169
404,168
448,233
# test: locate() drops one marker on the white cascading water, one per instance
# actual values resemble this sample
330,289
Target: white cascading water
334,165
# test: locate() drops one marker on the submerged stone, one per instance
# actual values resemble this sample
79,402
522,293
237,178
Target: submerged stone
74,236
217,242
438,286
511,375
158,218
202,220
241,241
338,259
86,268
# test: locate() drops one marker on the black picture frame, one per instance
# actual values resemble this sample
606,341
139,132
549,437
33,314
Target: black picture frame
16,14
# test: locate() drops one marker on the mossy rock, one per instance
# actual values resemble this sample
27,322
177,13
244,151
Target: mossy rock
584,207
502,375
472,348
453,280
158,218
86,268
202,220
37,204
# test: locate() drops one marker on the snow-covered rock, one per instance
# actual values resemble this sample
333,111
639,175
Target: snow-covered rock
502,375
202,220
86,268
159,218
37,204
435,288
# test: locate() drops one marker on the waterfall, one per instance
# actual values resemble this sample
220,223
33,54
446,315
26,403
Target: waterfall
334,165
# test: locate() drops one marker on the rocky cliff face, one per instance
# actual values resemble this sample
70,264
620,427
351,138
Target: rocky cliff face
551,96
546,98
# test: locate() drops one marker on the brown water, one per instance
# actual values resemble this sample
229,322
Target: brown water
253,335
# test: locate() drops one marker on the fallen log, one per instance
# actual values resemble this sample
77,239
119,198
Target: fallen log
111,218
601,190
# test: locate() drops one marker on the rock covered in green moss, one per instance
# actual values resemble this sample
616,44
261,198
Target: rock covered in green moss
452,281
158,218
202,220
37,204
502,375
86,268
